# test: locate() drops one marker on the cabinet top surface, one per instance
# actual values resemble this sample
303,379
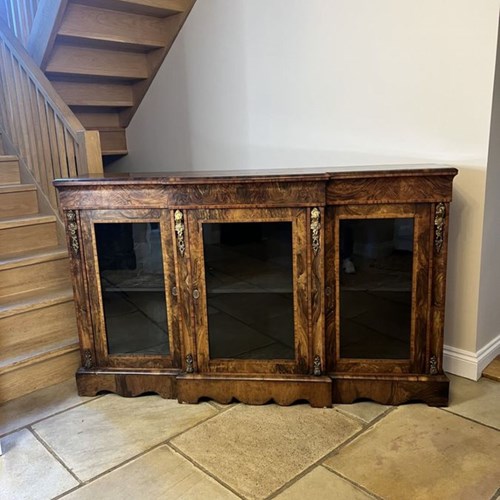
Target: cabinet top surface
279,174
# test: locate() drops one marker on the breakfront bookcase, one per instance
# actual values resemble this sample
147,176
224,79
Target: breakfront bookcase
327,286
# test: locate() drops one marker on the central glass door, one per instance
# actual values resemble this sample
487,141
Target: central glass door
249,291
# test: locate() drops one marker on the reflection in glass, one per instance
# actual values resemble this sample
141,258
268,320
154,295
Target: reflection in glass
133,288
376,263
248,270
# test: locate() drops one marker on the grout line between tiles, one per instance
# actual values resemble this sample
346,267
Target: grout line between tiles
366,426
470,419
139,455
354,483
352,416
204,470
496,495
34,422
54,454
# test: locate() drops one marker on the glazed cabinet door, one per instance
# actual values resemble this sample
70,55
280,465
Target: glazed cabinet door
255,284
131,276
378,281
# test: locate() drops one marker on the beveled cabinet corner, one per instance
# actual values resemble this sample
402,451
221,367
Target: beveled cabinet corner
326,287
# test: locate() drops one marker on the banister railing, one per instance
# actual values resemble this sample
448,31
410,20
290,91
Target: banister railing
19,16
49,138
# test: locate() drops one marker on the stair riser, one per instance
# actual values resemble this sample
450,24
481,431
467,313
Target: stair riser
18,203
29,331
73,60
17,383
24,238
9,172
33,277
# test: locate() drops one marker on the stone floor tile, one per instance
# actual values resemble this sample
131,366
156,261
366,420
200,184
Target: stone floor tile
101,434
366,410
322,483
28,471
479,400
161,473
418,452
37,405
257,449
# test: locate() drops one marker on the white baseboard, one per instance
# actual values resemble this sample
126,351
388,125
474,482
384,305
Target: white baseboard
470,364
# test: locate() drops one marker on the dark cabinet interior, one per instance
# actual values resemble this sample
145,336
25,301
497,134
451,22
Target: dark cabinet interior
322,287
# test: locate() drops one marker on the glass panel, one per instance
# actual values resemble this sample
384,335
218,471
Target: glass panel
376,263
249,279
133,288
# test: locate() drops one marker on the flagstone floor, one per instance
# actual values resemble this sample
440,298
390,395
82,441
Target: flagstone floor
59,445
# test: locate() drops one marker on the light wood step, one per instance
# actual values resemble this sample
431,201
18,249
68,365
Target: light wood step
31,321
105,94
159,8
88,24
9,170
113,141
492,371
30,232
52,365
18,199
99,63
33,270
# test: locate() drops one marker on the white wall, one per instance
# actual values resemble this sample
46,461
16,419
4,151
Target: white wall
289,83
489,293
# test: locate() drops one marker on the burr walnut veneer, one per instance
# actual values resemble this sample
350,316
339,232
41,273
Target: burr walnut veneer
259,286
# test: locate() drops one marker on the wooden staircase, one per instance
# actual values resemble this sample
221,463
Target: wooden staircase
102,56
38,337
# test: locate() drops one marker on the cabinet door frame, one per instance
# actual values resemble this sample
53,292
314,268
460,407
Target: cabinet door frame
103,358
305,334
421,288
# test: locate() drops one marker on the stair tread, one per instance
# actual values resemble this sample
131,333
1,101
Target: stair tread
25,258
8,158
114,152
101,25
159,8
25,220
16,188
35,299
37,355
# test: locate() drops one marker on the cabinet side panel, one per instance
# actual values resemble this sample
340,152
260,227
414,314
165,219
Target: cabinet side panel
76,248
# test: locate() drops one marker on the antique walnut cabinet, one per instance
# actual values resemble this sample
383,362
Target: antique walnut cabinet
256,286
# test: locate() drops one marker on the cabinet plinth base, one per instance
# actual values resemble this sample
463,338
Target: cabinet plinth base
282,390
127,384
391,390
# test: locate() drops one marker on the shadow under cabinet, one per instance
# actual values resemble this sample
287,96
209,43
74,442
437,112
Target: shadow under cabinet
317,286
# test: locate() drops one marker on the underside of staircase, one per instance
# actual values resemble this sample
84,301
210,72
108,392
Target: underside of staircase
38,336
103,55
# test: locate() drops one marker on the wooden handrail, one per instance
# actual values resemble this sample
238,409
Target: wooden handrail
50,140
